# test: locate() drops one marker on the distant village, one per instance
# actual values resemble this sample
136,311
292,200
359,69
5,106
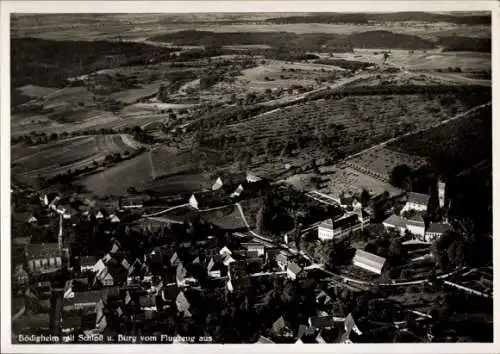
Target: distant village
85,270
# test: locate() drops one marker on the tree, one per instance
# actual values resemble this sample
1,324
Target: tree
401,177
365,197
386,56
259,223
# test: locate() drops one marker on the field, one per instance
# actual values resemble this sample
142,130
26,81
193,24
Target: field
347,124
133,95
381,161
167,161
36,91
68,154
448,147
422,60
338,179
276,74
115,180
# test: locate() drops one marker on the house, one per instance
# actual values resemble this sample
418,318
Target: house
282,260
251,178
238,269
225,251
20,278
350,325
293,270
183,304
416,201
147,302
215,267
254,246
396,223
436,230
218,184
323,298
75,285
180,274
87,300
43,258
87,263
416,225
237,192
320,322
264,340
271,254
174,260
114,219
241,284
369,261
280,328
105,277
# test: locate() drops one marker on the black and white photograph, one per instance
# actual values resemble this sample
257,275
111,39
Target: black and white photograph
249,177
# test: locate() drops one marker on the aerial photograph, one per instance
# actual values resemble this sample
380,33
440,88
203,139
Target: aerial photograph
251,178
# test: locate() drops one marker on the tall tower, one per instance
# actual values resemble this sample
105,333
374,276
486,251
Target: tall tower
60,234
441,193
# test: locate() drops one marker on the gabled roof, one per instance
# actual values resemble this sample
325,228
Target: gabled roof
180,273
42,250
264,340
304,331
418,198
278,325
294,267
182,302
439,228
369,259
395,221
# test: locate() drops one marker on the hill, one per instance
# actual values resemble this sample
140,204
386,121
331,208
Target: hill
49,63
389,40
465,44
365,18
293,41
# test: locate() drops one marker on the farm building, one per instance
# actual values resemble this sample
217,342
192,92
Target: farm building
416,201
369,261
43,258
436,230
395,222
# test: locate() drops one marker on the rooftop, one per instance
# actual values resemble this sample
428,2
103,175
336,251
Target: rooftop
439,228
369,259
395,221
418,198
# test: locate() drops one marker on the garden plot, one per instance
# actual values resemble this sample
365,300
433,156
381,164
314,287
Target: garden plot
347,179
382,161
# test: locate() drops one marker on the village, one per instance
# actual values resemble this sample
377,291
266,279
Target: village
88,269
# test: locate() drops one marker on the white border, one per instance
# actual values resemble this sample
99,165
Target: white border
8,6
